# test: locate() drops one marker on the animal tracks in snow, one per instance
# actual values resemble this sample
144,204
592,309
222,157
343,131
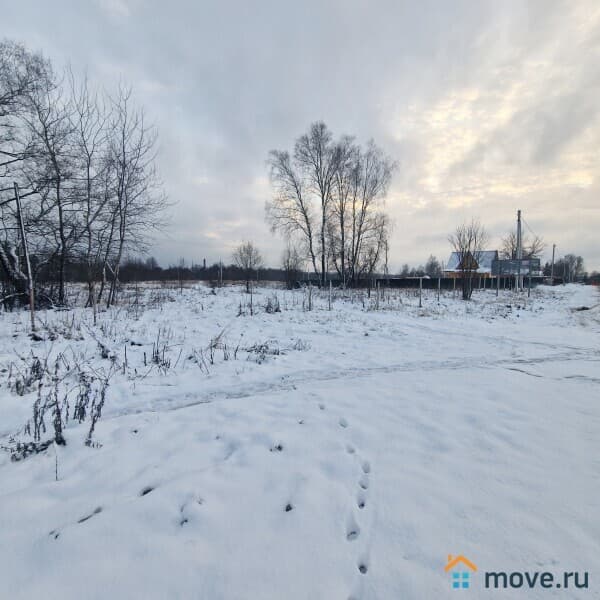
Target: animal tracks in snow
353,530
55,533
88,517
186,509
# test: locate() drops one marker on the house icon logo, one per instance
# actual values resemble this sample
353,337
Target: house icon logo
458,567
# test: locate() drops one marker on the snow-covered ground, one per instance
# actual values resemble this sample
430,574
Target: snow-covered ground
324,454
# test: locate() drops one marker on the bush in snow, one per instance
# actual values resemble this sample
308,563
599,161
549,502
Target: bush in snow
65,390
272,305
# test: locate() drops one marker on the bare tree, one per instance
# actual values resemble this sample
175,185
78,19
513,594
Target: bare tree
292,264
318,156
371,177
90,145
139,201
433,267
468,241
339,226
291,210
88,166
49,125
571,267
21,73
331,194
248,258
404,271
531,247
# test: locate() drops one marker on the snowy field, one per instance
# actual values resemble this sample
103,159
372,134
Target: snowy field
323,454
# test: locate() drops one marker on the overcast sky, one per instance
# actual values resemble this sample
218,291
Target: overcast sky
487,106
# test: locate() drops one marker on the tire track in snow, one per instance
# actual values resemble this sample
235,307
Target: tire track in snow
289,382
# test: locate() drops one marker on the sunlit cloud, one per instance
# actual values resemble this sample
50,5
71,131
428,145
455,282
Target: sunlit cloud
487,106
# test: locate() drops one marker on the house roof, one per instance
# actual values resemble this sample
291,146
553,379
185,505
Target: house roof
453,562
484,260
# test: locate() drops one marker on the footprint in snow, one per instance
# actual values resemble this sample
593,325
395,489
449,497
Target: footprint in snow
230,450
322,406
343,423
183,509
366,467
87,517
361,501
352,529
364,483
55,533
350,449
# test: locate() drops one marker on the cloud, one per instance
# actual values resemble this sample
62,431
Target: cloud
487,106
117,9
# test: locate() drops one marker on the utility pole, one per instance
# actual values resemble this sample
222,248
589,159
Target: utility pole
552,267
17,200
26,253
519,252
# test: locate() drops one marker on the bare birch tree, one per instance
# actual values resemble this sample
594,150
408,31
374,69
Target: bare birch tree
370,179
291,210
318,156
349,156
331,194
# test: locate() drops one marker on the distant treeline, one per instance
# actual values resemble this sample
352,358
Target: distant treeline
136,269
139,270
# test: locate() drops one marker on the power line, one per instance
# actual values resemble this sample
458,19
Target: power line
528,227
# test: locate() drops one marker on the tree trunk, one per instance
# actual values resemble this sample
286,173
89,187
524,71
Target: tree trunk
323,268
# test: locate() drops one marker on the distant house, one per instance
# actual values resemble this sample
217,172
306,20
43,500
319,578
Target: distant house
480,264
